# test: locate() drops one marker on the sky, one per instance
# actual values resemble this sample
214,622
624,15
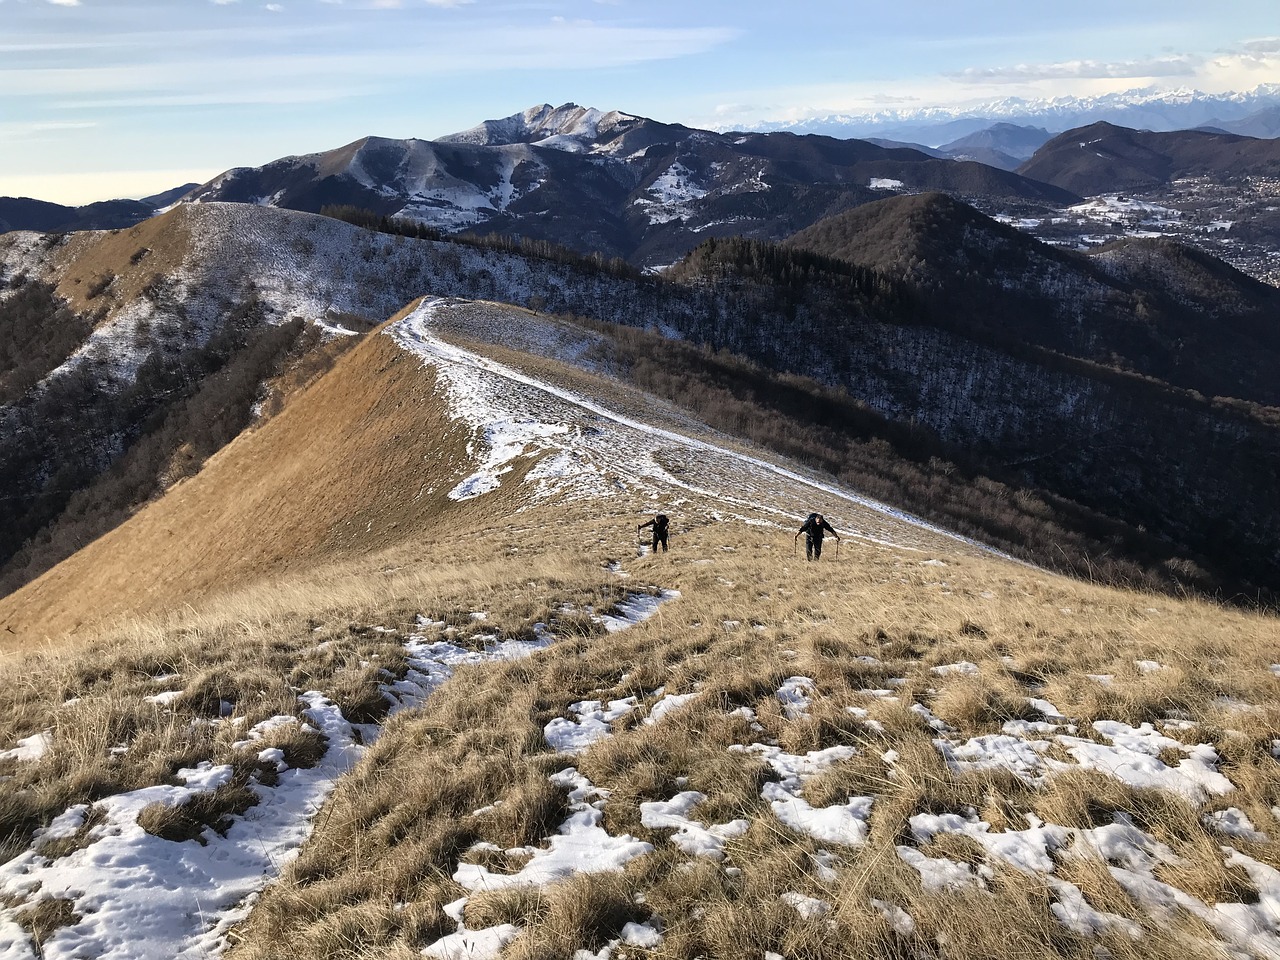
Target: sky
103,99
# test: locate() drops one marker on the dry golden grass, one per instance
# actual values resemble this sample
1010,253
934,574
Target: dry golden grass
472,765
355,464
86,259
379,867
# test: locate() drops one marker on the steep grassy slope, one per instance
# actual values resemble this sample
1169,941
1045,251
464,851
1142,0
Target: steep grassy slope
349,455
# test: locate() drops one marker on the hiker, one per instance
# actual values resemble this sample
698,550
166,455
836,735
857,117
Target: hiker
813,533
659,524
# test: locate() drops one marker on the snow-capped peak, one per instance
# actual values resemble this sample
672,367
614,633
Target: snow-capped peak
567,127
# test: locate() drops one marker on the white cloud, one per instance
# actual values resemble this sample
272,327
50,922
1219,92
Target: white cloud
39,128
178,75
65,3
1262,45
1174,66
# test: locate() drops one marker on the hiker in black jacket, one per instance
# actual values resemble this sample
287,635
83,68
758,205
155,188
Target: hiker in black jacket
813,533
659,524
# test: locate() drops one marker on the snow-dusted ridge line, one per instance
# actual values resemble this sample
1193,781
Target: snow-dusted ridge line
416,334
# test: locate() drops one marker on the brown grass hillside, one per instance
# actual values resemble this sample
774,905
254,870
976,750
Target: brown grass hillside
99,269
348,467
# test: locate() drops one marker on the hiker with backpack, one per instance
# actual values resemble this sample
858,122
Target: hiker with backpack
813,530
659,524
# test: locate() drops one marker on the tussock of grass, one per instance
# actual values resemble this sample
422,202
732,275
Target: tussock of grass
187,821
45,917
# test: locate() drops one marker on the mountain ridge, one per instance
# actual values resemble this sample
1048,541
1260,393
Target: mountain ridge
877,347
1104,157
610,183
1140,108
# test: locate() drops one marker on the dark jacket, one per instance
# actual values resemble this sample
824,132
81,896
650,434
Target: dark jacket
813,528
659,524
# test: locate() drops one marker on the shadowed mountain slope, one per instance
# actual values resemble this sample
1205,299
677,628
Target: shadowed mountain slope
1104,158
1153,307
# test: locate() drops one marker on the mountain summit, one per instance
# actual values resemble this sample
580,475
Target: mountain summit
568,127
612,183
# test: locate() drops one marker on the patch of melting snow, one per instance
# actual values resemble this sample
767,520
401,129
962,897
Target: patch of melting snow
796,693
163,699
963,667
1234,822
810,908
1132,757
594,723
636,608
843,823
30,748
897,918
939,873
580,845
927,716
691,836
668,703
504,442
467,944
1075,913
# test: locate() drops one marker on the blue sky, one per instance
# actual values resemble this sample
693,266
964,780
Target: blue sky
114,98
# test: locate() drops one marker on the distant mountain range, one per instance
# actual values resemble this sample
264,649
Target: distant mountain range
23,213
1252,113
